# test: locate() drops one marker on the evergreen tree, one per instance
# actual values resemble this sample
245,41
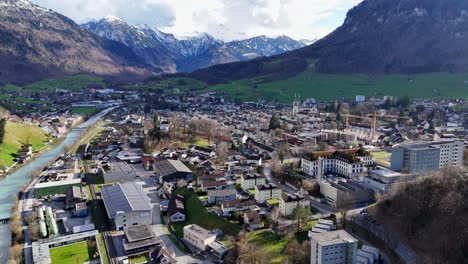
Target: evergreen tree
274,123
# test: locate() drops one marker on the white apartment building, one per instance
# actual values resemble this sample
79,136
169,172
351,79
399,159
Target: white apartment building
199,237
451,153
250,180
334,247
265,192
419,157
349,163
289,202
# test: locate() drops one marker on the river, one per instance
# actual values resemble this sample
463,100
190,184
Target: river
11,184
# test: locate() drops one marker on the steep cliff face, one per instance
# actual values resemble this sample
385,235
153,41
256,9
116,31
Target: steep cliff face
397,36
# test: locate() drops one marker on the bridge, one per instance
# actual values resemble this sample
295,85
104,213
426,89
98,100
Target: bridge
4,221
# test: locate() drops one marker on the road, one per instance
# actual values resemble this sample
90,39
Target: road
25,207
158,230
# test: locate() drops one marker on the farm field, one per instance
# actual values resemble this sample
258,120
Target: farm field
330,87
13,135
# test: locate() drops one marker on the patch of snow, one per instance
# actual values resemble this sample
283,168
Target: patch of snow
420,12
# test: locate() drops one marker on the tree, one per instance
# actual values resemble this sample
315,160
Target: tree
465,159
274,123
344,204
156,122
301,215
222,150
282,151
297,253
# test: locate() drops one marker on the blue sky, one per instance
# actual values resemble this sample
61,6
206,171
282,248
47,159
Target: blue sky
224,19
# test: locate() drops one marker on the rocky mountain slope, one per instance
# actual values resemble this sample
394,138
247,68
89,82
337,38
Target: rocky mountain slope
184,55
377,37
37,43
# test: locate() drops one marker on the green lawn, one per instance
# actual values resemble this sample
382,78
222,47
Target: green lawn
83,110
382,157
75,253
197,214
102,247
171,86
138,259
15,135
329,87
270,243
70,83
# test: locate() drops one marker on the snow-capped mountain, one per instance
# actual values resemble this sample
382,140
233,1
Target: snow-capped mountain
37,43
171,54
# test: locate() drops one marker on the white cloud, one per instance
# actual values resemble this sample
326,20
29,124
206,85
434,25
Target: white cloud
225,19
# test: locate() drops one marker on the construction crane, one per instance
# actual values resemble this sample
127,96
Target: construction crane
373,117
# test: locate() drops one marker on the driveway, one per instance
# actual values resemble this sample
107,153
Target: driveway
158,230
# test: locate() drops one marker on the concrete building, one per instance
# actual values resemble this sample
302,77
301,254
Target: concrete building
140,239
126,205
385,180
218,196
349,163
117,172
419,157
265,192
250,180
360,98
198,237
347,193
335,247
289,202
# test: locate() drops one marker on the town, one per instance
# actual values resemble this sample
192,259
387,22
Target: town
197,178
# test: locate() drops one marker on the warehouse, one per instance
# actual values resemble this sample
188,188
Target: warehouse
127,204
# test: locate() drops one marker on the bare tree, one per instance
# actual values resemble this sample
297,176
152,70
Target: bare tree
222,150
344,204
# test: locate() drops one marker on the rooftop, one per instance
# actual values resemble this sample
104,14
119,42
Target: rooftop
199,231
126,197
168,167
333,238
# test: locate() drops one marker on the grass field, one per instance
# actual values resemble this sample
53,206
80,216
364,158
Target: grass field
382,157
75,253
197,214
70,83
271,243
15,135
329,87
84,110
174,86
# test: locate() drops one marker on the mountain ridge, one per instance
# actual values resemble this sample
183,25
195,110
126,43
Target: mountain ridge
377,37
188,53
37,43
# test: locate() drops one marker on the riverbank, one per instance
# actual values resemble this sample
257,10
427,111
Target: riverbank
13,184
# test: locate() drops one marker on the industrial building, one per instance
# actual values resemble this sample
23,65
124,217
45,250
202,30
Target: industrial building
346,193
127,204
385,180
172,171
52,183
337,247
140,238
117,172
